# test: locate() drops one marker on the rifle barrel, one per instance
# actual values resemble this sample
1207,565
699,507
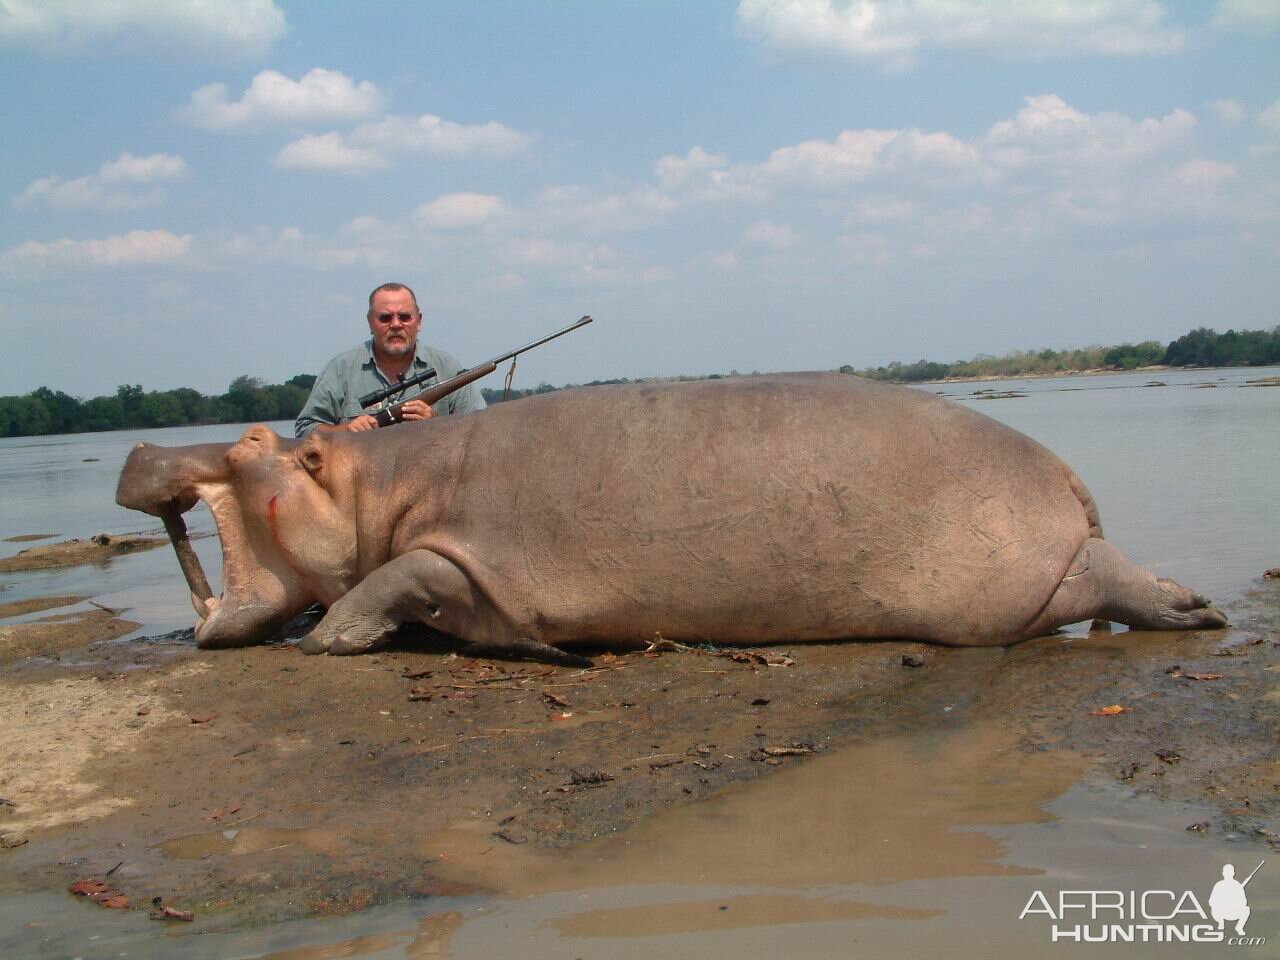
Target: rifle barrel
537,343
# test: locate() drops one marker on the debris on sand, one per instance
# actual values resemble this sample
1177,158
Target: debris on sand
771,755
754,659
9,840
100,893
1111,711
160,911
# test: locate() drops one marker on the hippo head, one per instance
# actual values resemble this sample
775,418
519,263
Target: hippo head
287,540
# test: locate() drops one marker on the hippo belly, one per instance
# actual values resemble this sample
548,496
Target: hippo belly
800,507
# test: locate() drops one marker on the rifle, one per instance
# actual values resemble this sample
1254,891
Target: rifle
436,392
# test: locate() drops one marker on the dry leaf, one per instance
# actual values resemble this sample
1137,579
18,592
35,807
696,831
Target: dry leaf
1110,711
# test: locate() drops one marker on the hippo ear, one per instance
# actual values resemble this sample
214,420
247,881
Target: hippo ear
310,456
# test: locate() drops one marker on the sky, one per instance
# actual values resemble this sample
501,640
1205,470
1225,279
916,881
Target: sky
199,189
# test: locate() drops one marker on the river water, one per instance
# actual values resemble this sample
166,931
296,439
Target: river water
1185,475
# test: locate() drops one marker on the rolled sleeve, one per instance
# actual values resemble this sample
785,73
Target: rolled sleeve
324,405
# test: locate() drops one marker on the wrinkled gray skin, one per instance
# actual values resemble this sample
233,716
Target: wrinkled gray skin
766,509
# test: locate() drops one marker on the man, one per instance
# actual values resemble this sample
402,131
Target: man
391,354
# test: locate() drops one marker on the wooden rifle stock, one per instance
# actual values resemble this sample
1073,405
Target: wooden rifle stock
437,392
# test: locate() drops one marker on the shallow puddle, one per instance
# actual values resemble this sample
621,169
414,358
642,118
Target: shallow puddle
933,844
237,842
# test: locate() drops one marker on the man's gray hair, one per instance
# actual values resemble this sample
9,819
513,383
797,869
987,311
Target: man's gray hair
393,288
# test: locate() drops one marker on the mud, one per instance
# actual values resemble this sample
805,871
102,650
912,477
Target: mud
259,785
73,553
17,608
50,636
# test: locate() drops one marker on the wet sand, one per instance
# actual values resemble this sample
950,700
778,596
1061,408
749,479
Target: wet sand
73,553
258,786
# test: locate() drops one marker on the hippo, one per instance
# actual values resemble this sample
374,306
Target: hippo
755,510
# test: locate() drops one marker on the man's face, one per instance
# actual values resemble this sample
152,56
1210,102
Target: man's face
394,321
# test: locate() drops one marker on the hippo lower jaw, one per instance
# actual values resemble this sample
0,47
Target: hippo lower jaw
256,601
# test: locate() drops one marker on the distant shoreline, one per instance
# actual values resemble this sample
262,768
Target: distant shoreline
1058,374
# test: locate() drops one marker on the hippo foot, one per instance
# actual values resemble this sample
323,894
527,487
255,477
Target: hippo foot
342,633
1103,584
1171,606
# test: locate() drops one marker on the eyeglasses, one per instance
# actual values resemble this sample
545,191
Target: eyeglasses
386,318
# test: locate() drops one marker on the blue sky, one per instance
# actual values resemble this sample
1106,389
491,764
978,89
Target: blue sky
197,189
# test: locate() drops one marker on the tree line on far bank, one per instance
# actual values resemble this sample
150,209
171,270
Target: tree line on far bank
1201,347
249,400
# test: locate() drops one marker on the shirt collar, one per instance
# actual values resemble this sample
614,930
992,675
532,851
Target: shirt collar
420,358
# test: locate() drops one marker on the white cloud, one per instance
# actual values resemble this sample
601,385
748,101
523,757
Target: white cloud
880,210
430,134
321,96
1202,173
455,211
1228,111
502,282
587,264
776,236
234,27
129,249
114,187
858,155
897,32
585,209
1247,15
265,244
1050,132
328,151
1269,118
374,145
675,172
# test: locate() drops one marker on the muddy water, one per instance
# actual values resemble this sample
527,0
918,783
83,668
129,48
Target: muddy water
925,845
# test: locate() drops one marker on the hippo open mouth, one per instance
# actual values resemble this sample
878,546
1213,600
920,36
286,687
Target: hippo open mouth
260,590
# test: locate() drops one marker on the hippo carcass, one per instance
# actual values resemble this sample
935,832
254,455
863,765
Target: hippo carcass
765,509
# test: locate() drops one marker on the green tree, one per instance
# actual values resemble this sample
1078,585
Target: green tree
162,410
104,413
130,404
65,412
24,417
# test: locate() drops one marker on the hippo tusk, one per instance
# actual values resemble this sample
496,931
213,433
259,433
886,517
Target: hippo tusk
187,559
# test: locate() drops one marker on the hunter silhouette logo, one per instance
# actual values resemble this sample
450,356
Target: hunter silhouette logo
1228,900
1148,916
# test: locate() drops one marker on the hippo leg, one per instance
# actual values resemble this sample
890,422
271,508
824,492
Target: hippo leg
419,586
1102,583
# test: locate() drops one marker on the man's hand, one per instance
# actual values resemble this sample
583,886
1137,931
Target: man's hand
417,410
360,423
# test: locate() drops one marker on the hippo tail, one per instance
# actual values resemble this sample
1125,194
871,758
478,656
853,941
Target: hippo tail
1086,500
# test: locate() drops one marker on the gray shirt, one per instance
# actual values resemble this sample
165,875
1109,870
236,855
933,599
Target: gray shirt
335,396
